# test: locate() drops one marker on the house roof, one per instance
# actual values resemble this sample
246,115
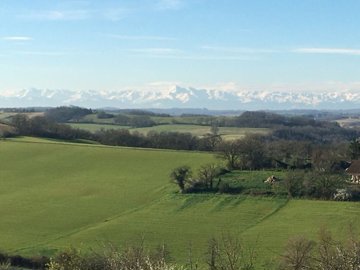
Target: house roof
354,167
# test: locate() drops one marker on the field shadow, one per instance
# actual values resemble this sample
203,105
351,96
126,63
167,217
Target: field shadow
221,201
193,200
228,201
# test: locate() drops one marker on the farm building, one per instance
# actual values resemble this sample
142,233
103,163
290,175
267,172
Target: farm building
354,171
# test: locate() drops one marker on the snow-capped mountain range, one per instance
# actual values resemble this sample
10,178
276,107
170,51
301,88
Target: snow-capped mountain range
183,97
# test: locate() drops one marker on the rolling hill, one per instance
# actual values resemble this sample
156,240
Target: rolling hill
54,195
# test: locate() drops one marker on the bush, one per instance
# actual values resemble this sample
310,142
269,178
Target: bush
195,186
131,258
228,189
19,261
327,254
322,185
64,114
293,183
354,190
342,194
5,265
181,176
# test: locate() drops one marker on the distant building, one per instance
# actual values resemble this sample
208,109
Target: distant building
354,171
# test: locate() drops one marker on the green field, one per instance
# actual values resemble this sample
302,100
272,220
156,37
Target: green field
54,195
96,127
197,130
160,120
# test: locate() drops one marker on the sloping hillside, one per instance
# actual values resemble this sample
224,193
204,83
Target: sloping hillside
54,195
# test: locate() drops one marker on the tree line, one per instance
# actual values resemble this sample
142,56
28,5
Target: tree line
327,150
46,127
312,171
294,184
303,128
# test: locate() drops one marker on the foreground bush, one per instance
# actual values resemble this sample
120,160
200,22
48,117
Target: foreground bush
6,261
325,254
131,258
225,253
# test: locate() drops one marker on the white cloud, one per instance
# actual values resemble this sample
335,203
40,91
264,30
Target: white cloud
328,51
41,53
241,50
157,51
113,14
219,58
244,50
171,53
126,37
17,38
57,15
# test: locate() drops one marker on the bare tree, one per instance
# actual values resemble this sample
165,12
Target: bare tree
298,254
230,151
336,255
293,183
230,254
249,152
207,175
354,149
214,129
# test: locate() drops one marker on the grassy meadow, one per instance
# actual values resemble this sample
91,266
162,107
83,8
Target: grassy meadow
55,195
227,133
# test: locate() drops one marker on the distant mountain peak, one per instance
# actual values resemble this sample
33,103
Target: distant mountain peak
184,97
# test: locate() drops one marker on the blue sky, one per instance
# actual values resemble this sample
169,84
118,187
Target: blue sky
113,45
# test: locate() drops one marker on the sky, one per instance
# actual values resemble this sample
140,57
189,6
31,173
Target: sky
307,45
